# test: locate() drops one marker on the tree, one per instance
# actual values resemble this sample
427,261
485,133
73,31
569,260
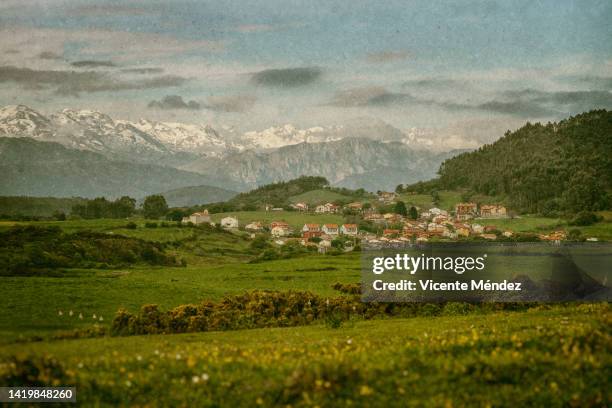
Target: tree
154,206
400,208
413,213
123,207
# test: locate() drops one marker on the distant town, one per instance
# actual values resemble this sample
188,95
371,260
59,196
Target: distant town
468,220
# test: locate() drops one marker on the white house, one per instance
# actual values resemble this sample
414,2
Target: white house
327,208
198,218
229,223
330,229
324,245
349,229
280,231
436,211
300,206
477,228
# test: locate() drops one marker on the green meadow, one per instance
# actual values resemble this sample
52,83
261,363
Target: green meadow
553,355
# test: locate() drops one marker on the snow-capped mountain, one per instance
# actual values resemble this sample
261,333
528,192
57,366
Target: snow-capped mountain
142,141
19,120
181,137
279,136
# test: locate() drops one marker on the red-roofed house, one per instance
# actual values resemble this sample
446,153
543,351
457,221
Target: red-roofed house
311,230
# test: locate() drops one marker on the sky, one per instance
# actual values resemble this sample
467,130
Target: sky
470,69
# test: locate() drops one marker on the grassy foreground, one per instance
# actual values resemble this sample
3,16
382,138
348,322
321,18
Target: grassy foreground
545,357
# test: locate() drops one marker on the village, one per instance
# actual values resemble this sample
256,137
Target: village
468,220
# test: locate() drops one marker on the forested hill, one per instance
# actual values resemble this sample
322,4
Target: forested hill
557,167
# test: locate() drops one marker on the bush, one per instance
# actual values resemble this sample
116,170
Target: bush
131,225
150,225
584,218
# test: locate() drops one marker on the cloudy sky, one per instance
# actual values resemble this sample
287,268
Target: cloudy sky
472,68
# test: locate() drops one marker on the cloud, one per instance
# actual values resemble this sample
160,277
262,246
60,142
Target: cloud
386,56
49,55
118,45
92,64
173,102
230,103
287,77
593,82
357,96
531,102
143,71
76,82
371,96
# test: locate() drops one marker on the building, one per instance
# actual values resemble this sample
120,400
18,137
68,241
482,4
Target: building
465,211
462,230
349,229
386,196
324,246
198,218
489,236
391,233
356,206
300,206
274,224
254,226
327,208
229,223
493,211
311,231
477,228
280,231
436,211
330,229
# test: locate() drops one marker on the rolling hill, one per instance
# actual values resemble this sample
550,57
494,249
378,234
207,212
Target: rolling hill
196,195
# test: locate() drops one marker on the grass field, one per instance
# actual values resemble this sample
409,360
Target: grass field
547,355
554,358
315,197
448,199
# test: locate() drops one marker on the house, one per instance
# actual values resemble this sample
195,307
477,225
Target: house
278,224
386,196
198,218
462,230
440,218
391,232
349,229
489,236
300,206
330,229
229,223
490,228
465,211
477,229
324,246
392,218
280,231
436,211
311,231
374,217
327,208
354,206
493,211
254,226
508,234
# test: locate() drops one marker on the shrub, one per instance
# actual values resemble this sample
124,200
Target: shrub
131,225
584,218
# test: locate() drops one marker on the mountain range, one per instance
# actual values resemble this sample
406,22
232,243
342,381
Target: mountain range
145,156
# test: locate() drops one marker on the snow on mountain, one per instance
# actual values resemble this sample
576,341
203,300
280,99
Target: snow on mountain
287,135
20,120
186,137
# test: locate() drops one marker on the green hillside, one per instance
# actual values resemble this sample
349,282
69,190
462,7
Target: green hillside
36,206
319,197
562,167
196,195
